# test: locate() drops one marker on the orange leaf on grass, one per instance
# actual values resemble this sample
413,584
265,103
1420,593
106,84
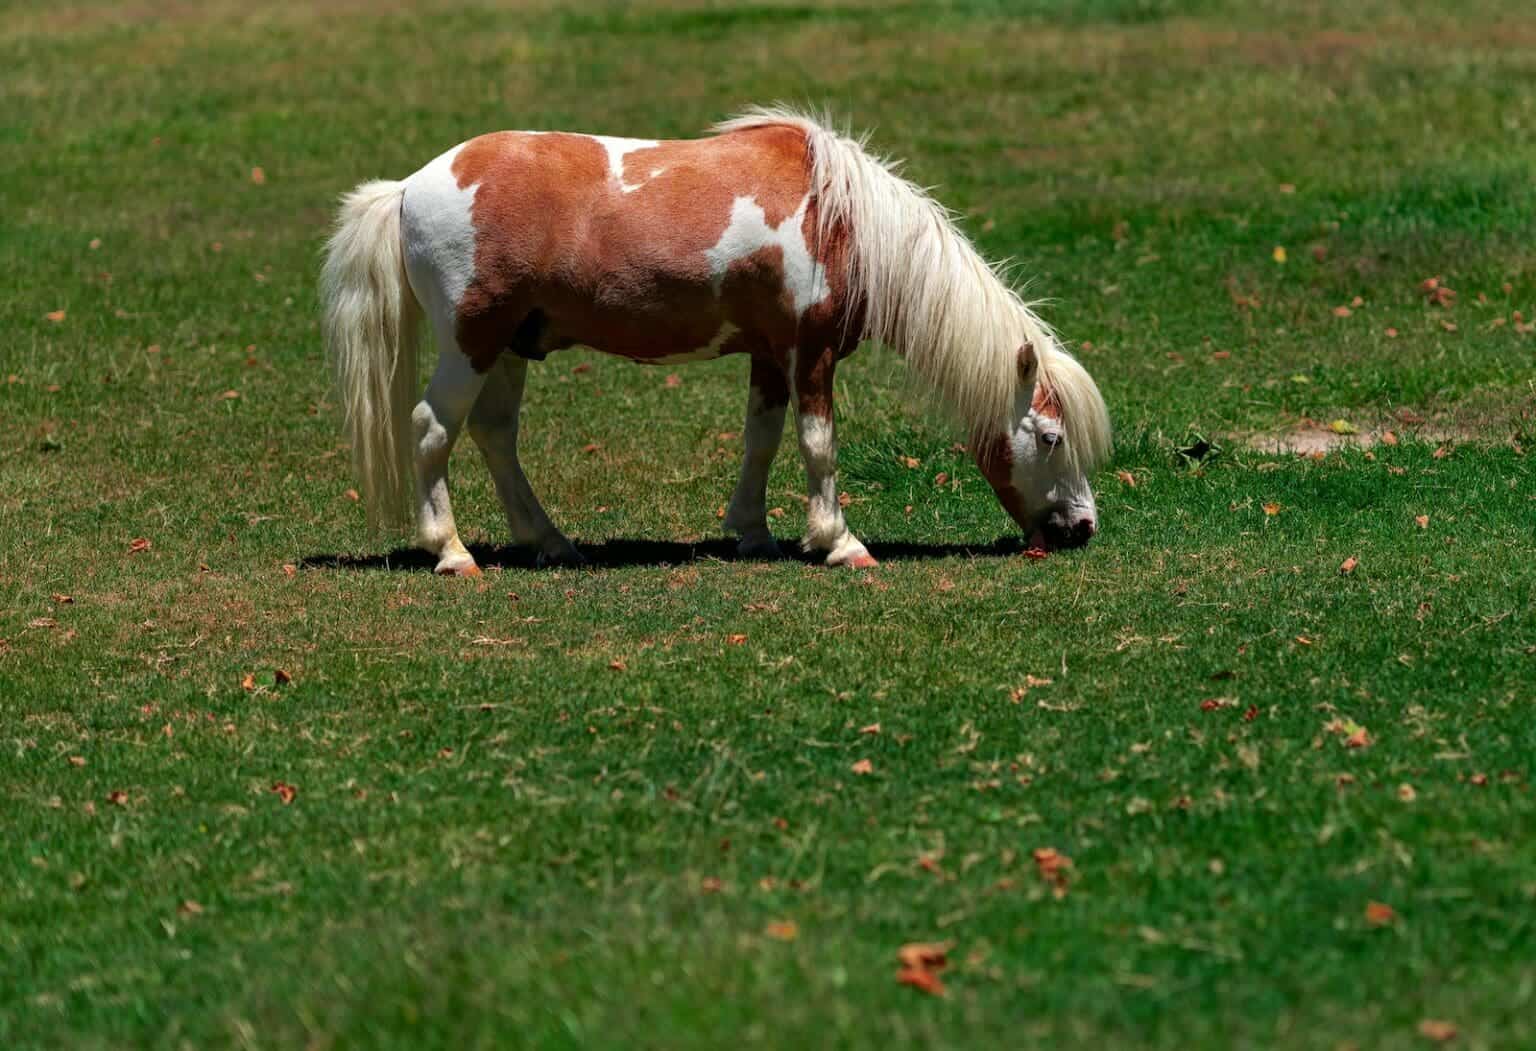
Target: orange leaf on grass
1378,914
921,980
782,930
1053,867
55,315
872,728
1422,520
1126,478
863,766
138,545
735,640
1437,1030
284,791
1348,565
924,956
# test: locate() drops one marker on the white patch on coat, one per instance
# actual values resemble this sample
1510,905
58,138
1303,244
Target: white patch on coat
617,148
438,235
748,232
708,352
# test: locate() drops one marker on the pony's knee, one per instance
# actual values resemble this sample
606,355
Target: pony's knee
818,445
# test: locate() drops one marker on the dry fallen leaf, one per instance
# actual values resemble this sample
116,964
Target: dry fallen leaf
925,981
1127,478
55,315
1407,793
77,760
1359,738
924,956
1391,333
1348,565
872,728
735,640
1437,1030
911,462
1278,255
190,908
1036,553
1422,520
284,791
289,569
673,380
863,766
248,682
258,176
591,447
1379,915
618,665
353,495
941,478
138,545
1053,867
1342,311
1271,509
782,930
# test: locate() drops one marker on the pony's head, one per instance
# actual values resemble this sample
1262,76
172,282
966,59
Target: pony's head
1057,433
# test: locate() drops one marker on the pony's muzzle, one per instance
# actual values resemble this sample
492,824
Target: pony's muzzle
1064,530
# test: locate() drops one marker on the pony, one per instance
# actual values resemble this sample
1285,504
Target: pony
774,237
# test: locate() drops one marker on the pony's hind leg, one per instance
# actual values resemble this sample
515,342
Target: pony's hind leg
493,425
825,529
748,514
436,422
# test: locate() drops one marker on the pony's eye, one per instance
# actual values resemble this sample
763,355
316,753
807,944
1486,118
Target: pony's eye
1051,438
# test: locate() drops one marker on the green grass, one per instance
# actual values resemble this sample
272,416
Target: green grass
499,839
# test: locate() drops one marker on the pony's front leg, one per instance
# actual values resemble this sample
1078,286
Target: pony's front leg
825,529
436,422
493,424
748,514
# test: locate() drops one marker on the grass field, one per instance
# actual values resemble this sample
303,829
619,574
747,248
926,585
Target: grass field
617,807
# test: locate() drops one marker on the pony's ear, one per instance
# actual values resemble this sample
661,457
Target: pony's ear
1027,363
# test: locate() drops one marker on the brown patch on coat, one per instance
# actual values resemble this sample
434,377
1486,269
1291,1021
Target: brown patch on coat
995,460
625,273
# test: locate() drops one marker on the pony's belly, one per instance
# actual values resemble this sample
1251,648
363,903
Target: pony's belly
653,345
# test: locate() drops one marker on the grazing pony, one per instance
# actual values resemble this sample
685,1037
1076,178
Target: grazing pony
775,237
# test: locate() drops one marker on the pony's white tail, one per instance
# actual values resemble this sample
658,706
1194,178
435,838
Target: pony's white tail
371,325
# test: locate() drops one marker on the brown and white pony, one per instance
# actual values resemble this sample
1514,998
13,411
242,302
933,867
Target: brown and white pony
775,238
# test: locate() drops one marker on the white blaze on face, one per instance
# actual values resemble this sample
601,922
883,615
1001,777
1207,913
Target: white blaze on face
1042,471
748,232
617,148
438,232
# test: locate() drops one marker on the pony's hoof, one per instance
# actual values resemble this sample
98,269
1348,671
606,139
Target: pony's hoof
457,567
768,549
855,557
562,557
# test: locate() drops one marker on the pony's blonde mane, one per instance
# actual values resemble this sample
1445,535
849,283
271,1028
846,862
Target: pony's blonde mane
931,297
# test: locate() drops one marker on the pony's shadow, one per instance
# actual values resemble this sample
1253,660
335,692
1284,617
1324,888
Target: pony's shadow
622,552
